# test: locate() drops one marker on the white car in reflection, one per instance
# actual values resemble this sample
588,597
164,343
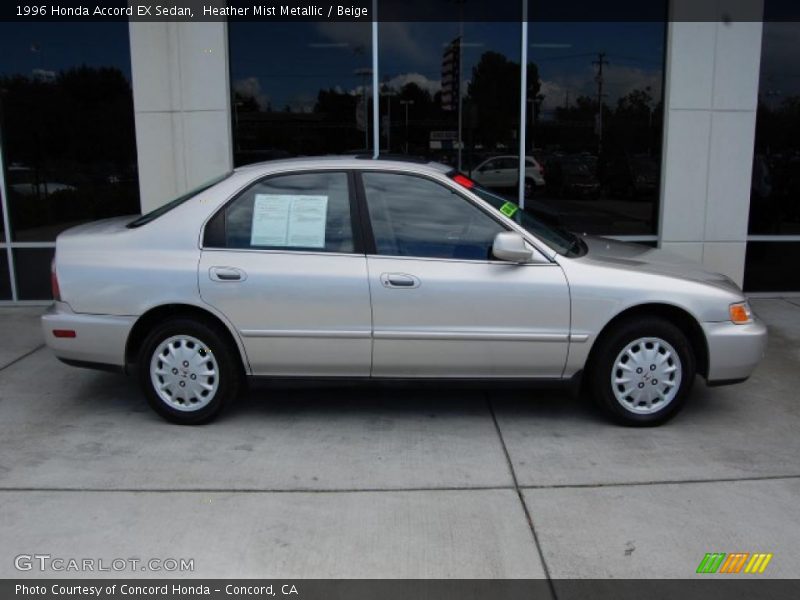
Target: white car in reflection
503,172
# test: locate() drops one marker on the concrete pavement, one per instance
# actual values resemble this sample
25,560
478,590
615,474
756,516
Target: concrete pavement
371,482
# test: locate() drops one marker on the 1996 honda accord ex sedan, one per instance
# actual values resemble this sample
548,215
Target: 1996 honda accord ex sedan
361,268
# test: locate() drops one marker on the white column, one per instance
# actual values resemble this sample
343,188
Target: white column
181,97
709,132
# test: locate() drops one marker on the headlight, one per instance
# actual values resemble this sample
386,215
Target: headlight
740,313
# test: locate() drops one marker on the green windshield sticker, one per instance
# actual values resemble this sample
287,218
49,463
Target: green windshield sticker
509,208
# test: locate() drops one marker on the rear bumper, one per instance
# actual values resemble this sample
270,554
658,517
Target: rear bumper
734,350
99,339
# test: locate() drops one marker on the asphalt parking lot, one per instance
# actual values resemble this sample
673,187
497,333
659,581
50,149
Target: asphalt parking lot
397,483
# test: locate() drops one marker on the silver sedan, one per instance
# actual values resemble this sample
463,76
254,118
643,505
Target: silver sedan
354,268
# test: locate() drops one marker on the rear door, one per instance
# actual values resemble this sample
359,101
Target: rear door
283,262
442,305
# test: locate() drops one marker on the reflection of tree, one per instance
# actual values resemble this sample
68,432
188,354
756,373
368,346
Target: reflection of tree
246,103
494,92
631,127
776,170
70,146
778,128
84,115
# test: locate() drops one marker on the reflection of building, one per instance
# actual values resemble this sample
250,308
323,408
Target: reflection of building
674,170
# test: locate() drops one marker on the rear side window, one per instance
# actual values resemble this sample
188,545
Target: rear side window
162,210
305,211
413,216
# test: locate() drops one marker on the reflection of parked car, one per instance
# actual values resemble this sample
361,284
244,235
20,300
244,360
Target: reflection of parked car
438,278
572,176
503,172
23,181
631,177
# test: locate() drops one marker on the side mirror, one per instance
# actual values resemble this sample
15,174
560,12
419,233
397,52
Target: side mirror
510,246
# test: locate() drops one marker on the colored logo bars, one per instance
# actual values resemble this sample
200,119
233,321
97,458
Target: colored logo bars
719,562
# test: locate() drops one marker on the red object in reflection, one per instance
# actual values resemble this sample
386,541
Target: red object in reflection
464,181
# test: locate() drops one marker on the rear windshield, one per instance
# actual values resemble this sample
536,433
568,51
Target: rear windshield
162,210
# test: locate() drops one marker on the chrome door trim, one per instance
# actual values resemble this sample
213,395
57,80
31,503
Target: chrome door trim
467,260
483,336
306,333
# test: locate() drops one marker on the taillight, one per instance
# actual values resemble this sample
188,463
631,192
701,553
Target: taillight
464,181
54,281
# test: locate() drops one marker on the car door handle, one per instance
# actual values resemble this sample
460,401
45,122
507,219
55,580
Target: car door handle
226,274
399,280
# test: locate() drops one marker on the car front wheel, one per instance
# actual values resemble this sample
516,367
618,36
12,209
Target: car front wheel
643,371
187,371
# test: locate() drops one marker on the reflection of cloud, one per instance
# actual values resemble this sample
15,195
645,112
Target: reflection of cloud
621,80
398,39
356,37
618,81
431,85
250,87
394,37
302,103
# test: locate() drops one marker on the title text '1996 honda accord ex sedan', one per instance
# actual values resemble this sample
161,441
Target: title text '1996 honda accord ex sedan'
357,268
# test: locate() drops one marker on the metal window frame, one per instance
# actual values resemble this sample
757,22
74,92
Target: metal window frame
9,245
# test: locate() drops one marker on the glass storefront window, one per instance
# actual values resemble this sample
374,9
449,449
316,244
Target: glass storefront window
67,126
775,188
5,282
450,92
2,219
594,123
32,271
775,185
300,89
772,266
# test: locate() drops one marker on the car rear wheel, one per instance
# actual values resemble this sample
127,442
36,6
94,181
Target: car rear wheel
188,371
643,371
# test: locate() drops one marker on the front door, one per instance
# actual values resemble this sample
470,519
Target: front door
442,306
280,262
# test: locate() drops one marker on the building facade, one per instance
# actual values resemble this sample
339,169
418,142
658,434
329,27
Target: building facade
674,134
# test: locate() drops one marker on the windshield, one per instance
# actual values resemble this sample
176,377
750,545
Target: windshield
560,240
161,210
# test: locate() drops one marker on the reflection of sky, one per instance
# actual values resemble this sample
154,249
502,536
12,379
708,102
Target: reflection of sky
286,64
564,53
60,46
780,65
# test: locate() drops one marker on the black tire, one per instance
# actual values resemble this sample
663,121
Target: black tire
228,382
604,357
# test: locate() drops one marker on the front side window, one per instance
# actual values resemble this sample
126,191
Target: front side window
307,211
413,216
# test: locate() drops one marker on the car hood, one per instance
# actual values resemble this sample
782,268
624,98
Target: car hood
636,257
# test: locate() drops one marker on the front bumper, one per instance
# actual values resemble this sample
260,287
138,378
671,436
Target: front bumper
734,350
99,339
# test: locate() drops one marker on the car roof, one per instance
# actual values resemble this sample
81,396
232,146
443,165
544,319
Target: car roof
354,161
514,156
